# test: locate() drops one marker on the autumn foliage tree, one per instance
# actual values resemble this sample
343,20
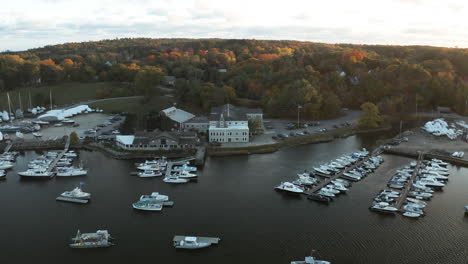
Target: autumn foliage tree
370,117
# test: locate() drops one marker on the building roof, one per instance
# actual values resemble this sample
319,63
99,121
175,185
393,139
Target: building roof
126,140
198,119
177,115
231,112
144,137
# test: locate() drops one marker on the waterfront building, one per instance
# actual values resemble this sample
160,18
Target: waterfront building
173,118
157,140
229,123
199,124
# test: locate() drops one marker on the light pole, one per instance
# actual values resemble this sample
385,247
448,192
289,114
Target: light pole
298,108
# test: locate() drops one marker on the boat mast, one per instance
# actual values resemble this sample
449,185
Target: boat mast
30,105
50,94
9,107
21,105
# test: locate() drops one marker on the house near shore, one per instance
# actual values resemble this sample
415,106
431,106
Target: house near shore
229,123
158,140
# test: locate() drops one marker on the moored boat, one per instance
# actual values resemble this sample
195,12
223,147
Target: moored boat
91,240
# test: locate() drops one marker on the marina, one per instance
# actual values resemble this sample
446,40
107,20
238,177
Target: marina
248,170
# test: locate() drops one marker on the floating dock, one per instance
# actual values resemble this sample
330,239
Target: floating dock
59,156
71,200
330,178
404,192
212,240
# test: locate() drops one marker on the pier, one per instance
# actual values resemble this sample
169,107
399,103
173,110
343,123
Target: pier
404,192
433,154
8,147
59,156
336,176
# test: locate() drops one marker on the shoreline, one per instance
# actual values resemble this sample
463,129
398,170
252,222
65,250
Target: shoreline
292,142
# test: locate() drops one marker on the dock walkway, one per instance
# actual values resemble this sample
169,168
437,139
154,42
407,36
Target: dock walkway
337,175
404,192
59,156
8,147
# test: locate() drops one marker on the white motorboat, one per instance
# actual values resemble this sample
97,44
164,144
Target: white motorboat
37,134
70,171
430,182
338,186
173,179
186,174
326,193
420,194
383,207
343,182
6,165
148,167
149,173
289,187
310,260
330,189
185,167
305,179
154,196
70,154
190,242
36,173
411,214
77,193
416,201
147,206
320,170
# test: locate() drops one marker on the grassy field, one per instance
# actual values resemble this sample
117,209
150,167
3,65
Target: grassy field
134,105
65,93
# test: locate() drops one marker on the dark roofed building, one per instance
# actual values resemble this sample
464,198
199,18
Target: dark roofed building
198,123
157,140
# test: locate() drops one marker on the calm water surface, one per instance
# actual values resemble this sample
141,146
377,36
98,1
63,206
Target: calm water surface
233,199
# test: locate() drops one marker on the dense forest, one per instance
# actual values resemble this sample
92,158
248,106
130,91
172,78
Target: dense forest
277,75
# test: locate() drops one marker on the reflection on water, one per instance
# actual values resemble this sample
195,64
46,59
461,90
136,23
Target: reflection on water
235,200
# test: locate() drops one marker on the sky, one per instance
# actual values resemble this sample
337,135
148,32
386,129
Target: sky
28,24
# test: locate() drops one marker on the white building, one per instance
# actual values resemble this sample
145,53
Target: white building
229,123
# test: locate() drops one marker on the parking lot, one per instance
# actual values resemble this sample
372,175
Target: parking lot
85,123
273,127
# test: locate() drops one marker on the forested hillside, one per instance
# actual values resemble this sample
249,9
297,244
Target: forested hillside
278,75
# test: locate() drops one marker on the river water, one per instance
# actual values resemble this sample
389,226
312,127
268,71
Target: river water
235,200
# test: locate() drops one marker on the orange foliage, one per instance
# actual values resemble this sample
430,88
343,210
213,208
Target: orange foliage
268,56
47,62
67,63
151,58
353,56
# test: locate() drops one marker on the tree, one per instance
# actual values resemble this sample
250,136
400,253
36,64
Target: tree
74,139
255,125
147,79
370,117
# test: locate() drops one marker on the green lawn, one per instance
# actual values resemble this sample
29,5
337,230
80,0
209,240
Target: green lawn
65,93
134,105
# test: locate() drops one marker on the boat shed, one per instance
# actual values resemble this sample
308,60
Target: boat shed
173,118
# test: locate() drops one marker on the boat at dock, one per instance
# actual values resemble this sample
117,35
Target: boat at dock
154,196
70,154
383,207
289,187
192,242
186,174
6,165
91,240
319,198
174,179
185,167
70,171
76,193
149,173
36,173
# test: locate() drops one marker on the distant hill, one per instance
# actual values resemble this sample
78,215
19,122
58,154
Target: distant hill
277,74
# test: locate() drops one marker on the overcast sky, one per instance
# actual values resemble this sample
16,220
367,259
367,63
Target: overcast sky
34,23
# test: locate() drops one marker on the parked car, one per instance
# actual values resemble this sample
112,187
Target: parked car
293,134
305,132
274,137
115,132
282,135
